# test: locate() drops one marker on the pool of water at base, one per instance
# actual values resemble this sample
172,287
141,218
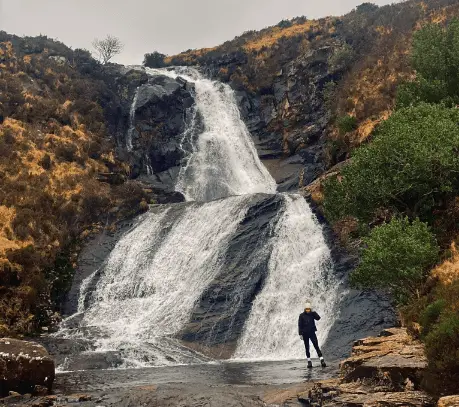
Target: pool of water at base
221,373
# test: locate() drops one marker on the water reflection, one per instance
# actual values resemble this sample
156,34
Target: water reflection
234,373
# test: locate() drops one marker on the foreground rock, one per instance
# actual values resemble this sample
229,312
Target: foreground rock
394,357
449,401
25,367
382,371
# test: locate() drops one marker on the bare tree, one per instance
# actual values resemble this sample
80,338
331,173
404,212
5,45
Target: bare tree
108,47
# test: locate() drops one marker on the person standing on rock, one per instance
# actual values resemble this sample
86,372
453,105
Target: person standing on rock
307,331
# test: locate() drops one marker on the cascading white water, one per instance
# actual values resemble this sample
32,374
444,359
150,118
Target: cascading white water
156,274
224,161
131,128
299,271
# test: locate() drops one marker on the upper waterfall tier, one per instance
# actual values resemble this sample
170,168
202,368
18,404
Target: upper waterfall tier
223,160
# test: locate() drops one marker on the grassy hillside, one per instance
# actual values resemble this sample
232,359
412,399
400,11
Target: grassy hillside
371,42
53,147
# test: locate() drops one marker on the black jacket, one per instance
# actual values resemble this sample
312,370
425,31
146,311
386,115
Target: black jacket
307,324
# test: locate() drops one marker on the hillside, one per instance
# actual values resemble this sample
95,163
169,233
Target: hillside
366,54
54,149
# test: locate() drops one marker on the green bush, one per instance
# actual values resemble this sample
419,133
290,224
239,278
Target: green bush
346,124
410,167
285,24
435,57
430,315
396,258
154,60
342,58
442,344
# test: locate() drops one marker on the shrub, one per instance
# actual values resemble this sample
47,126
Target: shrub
285,24
421,90
435,57
410,167
442,344
396,258
342,58
46,162
346,124
367,8
154,60
67,152
430,315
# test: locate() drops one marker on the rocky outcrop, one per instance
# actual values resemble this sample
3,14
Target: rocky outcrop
393,356
288,117
160,113
336,394
25,367
449,401
382,371
147,118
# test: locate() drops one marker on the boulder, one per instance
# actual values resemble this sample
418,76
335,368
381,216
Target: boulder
24,367
449,401
394,356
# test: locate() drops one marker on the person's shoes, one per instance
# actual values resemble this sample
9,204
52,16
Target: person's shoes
322,362
309,364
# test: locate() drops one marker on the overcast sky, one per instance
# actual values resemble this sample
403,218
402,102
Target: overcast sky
168,26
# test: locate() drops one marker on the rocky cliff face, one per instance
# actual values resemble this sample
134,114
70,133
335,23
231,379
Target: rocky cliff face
147,123
288,117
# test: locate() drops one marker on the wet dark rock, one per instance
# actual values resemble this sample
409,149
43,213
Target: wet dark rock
360,313
225,305
24,366
289,117
160,117
161,114
61,348
93,361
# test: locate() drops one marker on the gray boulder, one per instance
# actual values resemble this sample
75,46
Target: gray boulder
25,367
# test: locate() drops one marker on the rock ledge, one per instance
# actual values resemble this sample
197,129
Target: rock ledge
382,371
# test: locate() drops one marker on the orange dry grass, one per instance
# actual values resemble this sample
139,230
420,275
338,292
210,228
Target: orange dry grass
189,56
7,215
448,271
270,38
367,126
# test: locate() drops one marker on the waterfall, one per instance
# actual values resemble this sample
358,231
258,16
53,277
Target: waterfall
147,289
157,272
131,129
224,160
299,270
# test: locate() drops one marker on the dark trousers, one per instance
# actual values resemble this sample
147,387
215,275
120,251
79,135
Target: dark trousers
313,338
